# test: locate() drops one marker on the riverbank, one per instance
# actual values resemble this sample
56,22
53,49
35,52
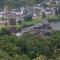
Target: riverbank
55,25
53,18
34,21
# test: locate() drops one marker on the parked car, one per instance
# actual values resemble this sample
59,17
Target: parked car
39,26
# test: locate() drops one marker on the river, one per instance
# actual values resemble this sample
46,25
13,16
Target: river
55,25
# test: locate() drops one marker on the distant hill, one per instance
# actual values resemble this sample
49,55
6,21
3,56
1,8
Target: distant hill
18,3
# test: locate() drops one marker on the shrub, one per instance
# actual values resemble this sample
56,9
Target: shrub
43,15
56,11
4,31
53,18
19,22
59,9
18,29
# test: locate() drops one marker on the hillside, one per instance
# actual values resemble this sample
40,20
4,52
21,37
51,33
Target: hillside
30,47
18,3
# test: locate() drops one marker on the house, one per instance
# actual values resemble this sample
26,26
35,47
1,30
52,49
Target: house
57,1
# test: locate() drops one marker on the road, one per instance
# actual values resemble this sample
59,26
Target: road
24,30
55,26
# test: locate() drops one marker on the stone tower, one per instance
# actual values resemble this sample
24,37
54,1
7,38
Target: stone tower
12,23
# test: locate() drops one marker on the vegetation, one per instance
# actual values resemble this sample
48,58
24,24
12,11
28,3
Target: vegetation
54,18
59,8
27,23
17,3
43,15
28,18
30,47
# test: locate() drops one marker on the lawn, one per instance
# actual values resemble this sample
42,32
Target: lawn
2,26
53,18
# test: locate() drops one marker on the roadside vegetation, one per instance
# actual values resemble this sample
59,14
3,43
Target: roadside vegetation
54,18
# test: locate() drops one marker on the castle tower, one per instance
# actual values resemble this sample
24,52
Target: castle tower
12,23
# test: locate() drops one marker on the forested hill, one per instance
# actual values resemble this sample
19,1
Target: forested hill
30,47
16,3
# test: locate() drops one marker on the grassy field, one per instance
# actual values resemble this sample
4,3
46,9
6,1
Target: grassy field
29,23
2,26
25,23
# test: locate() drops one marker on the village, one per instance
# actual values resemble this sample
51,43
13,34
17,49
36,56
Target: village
15,17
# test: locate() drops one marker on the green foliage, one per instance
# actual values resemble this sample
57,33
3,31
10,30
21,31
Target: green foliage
20,22
9,49
28,18
43,15
36,46
29,47
39,1
56,11
4,31
2,2
59,8
40,58
18,3
54,18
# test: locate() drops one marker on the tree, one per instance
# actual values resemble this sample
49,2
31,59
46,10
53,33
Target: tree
18,3
2,3
39,1
59,8
43,15
56,11
28,17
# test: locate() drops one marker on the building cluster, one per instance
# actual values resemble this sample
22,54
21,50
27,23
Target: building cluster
35,11
12,17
